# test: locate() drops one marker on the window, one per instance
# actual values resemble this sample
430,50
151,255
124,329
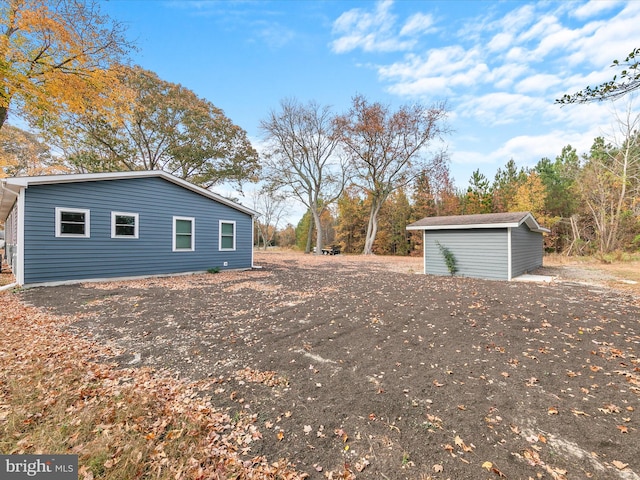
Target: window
183,234
124,225
72,222
227,235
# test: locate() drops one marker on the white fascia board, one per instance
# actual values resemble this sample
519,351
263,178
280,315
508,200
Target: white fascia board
464,227
533,225
24,182
8,197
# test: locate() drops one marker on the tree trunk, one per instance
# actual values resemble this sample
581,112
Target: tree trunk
317,222
308,246
4,111
372,227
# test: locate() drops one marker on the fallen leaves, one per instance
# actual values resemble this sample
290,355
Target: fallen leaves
158,419
619,465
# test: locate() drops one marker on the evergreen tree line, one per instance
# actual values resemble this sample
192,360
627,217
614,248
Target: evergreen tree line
591,203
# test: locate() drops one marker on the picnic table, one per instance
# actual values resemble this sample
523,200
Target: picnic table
331,250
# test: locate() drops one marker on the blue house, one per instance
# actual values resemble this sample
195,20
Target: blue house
495,246
79,227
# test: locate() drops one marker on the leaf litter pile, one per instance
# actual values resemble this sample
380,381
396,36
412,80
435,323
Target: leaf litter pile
325,367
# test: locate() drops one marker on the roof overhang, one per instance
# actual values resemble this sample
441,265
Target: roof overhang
10,187
528,219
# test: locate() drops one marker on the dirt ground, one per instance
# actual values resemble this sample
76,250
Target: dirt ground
360,368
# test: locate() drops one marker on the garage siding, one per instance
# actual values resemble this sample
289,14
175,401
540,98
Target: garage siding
480,253
527,250
49,258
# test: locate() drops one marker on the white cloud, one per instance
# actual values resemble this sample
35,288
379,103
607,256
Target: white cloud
501,41
603,41
593,8
418,23
500,108
372,32
527,150
538,83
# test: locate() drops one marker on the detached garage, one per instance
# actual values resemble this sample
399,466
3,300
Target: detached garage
497,246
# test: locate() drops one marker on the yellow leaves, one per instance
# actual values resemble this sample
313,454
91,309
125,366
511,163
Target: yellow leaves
489,466
619,465
622,428
552,411
609,408
342,434
269,378
579,412
463,446
280,435
58,58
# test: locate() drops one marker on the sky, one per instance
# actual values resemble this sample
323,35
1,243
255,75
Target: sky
498,65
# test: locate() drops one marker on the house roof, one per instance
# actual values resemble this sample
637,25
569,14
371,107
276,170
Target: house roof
483,220
10,187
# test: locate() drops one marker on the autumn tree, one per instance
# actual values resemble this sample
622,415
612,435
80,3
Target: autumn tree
22,153
286,237
609,183
55,56
168,127
434,192
395,215
625,81
300,156
351,225
387,150
530,196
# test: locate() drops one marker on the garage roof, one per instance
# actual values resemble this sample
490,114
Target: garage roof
482,220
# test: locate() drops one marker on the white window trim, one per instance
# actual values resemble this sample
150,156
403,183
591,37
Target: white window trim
220,236
193,234
124,214
87,222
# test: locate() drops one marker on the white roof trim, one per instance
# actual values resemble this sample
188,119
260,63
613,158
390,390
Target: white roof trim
528,219
15,184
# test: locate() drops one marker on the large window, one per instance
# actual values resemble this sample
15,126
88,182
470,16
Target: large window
72,222
124,225
227,235
184,238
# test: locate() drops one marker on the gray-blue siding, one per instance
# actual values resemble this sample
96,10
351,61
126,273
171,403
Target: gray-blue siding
480,253
49,258
527,250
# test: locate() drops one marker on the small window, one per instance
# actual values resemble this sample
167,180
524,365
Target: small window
227,235
72,222
124,225
183,234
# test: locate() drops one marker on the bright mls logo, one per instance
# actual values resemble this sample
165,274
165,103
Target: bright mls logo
49,467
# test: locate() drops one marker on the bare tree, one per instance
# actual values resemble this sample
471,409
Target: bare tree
388,149
301,156
609,183
271,205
